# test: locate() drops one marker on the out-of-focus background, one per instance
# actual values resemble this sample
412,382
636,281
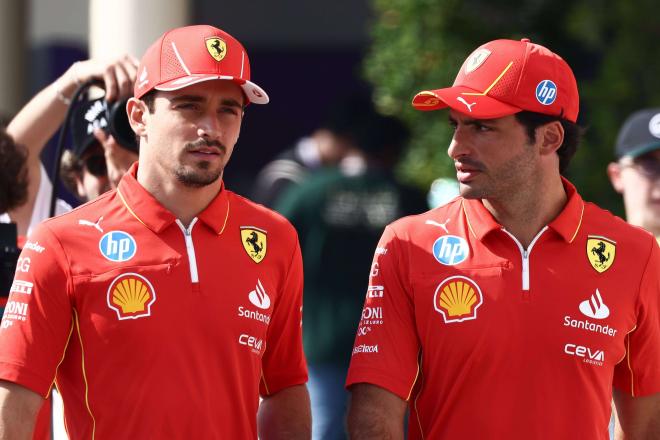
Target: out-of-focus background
304,53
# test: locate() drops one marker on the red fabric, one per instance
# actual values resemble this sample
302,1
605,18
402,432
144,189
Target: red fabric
190,361
512,363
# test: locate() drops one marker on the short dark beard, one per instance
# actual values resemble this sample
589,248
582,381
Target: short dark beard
196,179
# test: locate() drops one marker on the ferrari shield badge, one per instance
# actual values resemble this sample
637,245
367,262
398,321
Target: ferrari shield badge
600,252
254,242
216,47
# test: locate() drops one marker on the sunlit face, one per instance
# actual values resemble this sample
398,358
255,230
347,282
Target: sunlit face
492,157
190,135
638,181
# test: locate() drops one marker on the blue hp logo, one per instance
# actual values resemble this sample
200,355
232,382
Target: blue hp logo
117,246
450,250
546,92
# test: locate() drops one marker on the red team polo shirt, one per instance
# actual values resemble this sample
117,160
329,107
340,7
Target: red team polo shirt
150,330
487,340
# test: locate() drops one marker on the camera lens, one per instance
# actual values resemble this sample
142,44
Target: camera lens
119,127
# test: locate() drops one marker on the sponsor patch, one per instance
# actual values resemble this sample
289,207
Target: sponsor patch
450,250
457,299
546,92
476,59
217,48
20,286
255,344
363,348
117,246
254,242
34,247
259,297
601,252
23,264
14,311
594,307
131,296
375,292
588,355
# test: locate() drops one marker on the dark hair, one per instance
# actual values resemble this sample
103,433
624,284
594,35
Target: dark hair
13,173
572,134
149,99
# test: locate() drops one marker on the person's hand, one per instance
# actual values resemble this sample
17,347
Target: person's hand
118,75
117,158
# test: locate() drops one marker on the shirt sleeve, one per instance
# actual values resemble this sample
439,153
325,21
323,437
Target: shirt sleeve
639,373
386,350
36,324
284,362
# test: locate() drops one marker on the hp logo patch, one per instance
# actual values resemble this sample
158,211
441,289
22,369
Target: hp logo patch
546,92
117,246
450,250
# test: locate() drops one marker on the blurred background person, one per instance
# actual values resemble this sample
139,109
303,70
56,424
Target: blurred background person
96,161
636,173
13,173
42,116
325,147
339,213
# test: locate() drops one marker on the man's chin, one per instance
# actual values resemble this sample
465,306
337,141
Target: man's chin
198,178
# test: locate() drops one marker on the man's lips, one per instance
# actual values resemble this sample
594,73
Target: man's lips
466,172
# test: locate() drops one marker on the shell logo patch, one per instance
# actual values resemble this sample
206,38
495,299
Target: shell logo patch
217,48
600,252
131,296
457,299
254,242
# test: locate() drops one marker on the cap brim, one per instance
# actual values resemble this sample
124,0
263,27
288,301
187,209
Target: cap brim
463,100
254,93
642,150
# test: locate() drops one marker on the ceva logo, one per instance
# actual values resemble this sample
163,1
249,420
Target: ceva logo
259,297
589,356
594,307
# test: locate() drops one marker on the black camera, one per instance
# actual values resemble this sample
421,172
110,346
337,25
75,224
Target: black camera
98,113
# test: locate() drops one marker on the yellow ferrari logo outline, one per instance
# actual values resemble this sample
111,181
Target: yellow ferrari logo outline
254,242
601,252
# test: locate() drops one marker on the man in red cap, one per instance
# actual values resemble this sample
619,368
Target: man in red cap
513,310
167,307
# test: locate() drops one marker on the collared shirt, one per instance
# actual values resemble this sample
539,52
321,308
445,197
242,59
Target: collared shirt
487,339
154,330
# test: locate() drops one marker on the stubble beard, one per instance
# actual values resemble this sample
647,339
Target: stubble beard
198,176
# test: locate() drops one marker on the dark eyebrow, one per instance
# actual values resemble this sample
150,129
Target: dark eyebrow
196,98
471,121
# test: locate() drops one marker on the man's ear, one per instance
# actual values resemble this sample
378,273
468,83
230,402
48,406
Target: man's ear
551,136
137,111
614,173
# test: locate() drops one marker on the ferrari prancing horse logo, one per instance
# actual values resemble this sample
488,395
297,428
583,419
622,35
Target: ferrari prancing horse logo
600,252
254,242
216,47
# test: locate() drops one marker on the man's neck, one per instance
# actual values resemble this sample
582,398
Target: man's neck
526,213
184,202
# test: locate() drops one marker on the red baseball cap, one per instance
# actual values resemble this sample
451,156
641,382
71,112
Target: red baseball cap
504,77
188,55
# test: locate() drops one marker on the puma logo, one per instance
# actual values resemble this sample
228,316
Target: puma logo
93,225
440,225
468,105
